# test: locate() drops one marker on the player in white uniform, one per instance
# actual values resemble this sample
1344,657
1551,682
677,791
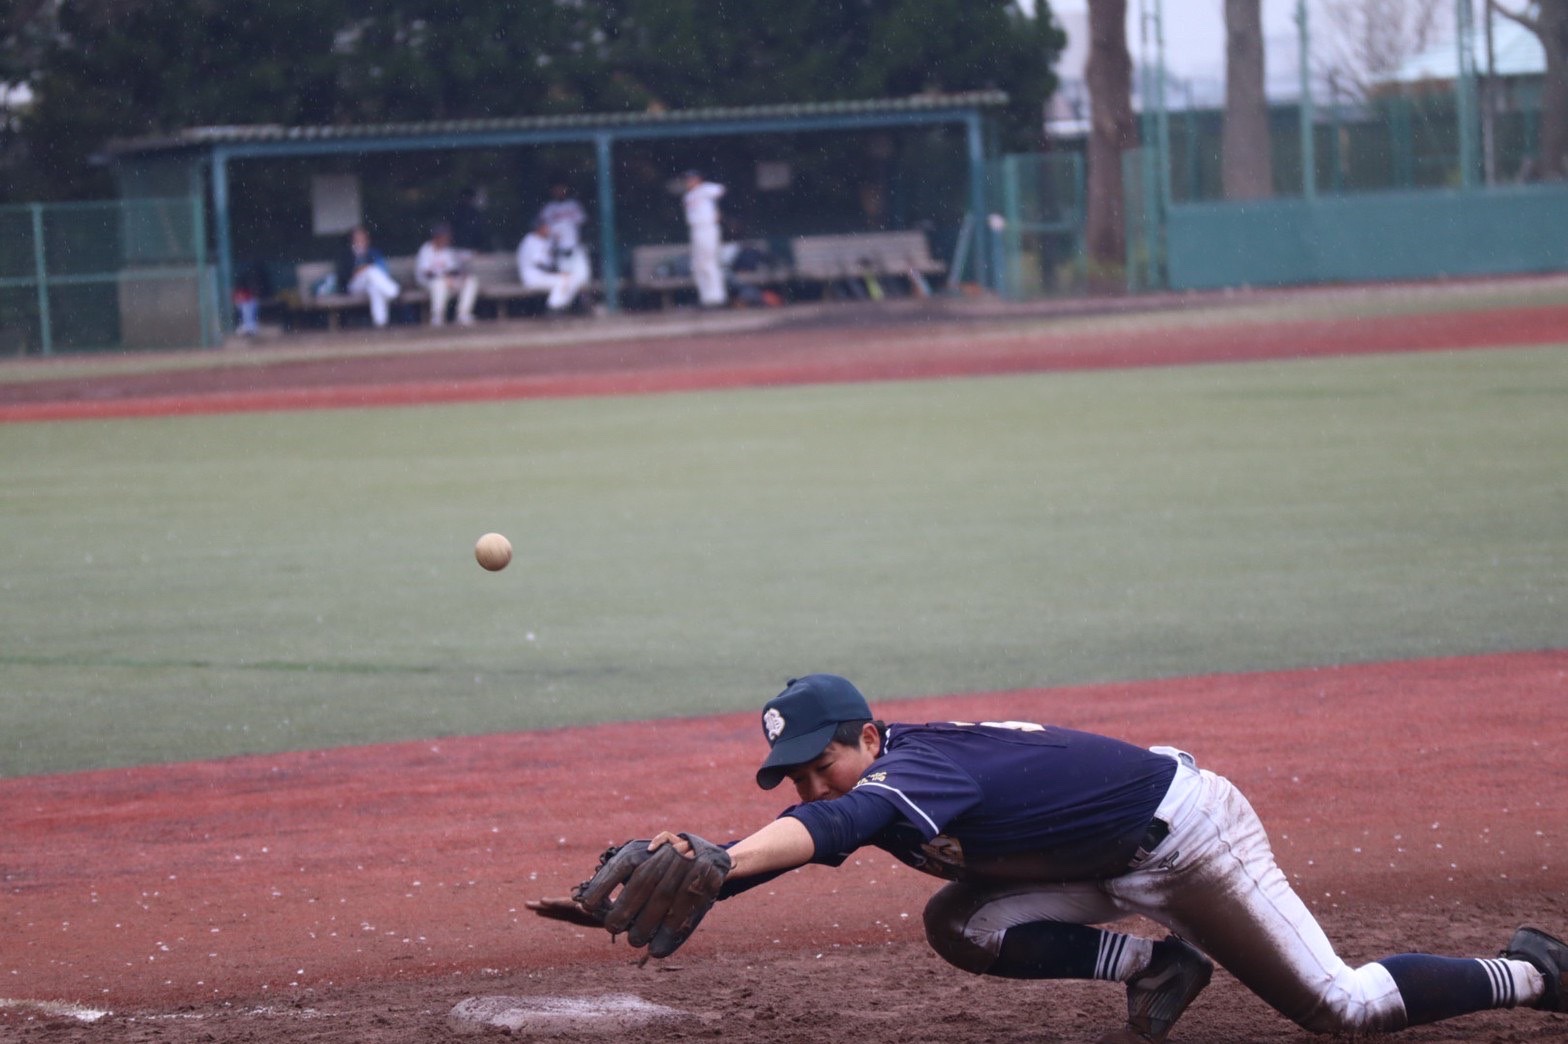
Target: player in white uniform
701,202
538,267
363,270
443,271
565,218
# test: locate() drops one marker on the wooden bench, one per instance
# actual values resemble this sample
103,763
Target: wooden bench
665,268
864,259
498,284
309,276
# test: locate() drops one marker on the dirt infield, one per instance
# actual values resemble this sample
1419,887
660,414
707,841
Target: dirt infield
360,894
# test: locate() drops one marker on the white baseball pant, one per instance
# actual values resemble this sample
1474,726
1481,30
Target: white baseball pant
564,285
705,267
441,293
1214,882
379,287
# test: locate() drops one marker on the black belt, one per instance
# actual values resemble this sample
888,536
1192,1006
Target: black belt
1158,831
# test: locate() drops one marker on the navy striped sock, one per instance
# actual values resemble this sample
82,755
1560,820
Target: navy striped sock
1435,988
1054,950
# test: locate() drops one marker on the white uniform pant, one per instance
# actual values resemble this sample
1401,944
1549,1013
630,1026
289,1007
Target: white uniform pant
564,285
380,288
1214,882
705,267
441,289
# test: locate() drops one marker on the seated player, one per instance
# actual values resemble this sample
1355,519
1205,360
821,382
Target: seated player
539,266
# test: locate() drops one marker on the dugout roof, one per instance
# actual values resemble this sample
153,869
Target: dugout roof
209,150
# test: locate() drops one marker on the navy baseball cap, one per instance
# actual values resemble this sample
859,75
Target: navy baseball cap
799,722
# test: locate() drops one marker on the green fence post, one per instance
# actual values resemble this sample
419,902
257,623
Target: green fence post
1011,238
1194,173
1336,149
1162,121
1309,162
1402,142
41,272
1465,95
975,142
225,244
210,337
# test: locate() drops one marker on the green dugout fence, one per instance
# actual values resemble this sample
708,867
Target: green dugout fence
1367,237
130,273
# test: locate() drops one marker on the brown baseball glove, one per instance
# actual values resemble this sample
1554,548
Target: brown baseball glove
662,895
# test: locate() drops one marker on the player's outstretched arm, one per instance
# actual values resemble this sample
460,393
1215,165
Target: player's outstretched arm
781,845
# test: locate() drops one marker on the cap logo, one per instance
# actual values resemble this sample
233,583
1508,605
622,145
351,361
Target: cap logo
772,724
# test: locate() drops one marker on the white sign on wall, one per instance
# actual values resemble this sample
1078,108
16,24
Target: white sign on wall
334,203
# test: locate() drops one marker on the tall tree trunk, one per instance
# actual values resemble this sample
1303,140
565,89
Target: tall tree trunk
1246,162
1111,132
1553,31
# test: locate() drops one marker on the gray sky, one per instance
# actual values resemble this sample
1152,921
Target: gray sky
1195,33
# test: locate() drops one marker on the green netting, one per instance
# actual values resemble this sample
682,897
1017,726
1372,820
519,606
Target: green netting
1040,201
18,319
16,243
92,276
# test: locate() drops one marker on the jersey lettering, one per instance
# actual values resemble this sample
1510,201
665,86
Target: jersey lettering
1016,726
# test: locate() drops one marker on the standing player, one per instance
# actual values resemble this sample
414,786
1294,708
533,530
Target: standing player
565,218
701,203
1044,832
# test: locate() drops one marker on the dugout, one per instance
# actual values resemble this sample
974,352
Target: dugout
201,161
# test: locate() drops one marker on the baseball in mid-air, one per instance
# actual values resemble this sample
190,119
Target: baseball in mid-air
493,551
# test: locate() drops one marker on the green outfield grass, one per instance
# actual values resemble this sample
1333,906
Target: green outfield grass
183,588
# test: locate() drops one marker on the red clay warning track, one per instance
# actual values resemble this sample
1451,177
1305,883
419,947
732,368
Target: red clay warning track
801,355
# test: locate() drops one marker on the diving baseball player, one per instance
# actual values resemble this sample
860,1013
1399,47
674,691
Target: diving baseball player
1043,833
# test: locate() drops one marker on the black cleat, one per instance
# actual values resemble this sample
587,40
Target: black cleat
1157,997
1550,955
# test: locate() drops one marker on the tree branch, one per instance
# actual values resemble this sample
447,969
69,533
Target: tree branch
1532,24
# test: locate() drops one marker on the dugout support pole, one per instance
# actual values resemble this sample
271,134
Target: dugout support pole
220,210
610,263
976,143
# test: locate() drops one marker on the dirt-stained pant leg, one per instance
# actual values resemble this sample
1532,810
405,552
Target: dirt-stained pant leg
965,922
1215,882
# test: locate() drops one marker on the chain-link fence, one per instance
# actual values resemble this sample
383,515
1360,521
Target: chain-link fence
1397,142
112,275
1037,203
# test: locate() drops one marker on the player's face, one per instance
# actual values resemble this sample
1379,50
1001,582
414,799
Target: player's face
835,771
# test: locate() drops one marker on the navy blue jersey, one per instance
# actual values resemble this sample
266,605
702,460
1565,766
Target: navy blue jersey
997,801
